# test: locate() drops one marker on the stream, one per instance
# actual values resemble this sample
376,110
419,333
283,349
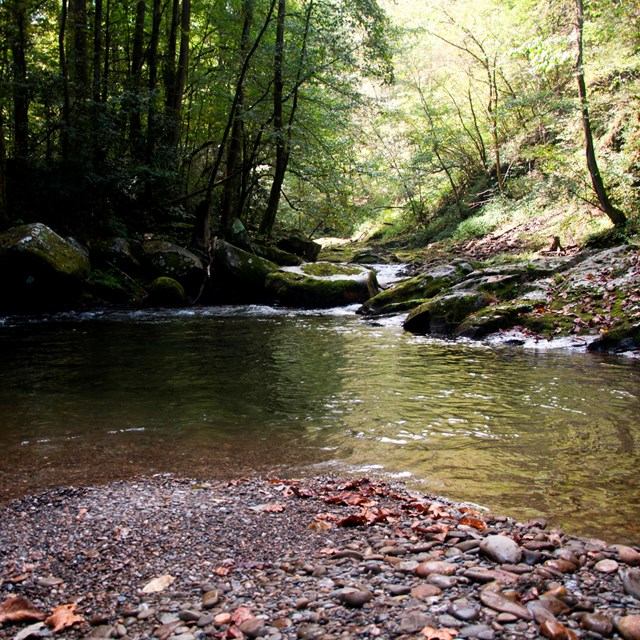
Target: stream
230,391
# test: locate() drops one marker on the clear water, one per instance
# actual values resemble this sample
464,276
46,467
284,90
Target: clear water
226,392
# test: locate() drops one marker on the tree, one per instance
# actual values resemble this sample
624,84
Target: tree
617,217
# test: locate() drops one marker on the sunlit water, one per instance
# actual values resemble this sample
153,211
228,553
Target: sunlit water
226,392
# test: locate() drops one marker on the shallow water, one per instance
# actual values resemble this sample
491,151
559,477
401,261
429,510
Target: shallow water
230,391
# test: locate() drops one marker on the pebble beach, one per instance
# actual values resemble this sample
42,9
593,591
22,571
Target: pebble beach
314,559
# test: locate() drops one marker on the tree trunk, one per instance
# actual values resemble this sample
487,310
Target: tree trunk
4,211
152,61
20,89
615,215
233,185
137,58
64,72
269,218
178,75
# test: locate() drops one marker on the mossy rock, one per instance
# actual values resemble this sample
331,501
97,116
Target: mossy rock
166,292
112,286
303,247
238,276
495,318
172,261
442,315
321,285
40,269
420,287
119,253
278,256
624,337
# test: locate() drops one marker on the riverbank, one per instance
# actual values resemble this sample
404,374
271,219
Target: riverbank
320,558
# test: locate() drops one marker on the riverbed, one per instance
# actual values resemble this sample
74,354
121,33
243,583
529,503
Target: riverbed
230,391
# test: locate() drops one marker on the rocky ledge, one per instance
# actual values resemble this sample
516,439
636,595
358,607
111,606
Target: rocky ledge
323,558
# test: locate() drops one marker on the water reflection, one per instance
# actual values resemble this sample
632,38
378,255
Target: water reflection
221,394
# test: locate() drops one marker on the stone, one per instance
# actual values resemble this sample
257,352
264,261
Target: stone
560,565
555,630
425,569
629,627
480,631
352,597
166,259
627,555
321,285
40,269
631,582
597,623
501,549
303,247
463,610
253,628
210,599
606,566
424,591
415,621
166,292
499,602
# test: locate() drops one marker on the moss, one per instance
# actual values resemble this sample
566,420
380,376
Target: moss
494,318
111,285
329,270
167,292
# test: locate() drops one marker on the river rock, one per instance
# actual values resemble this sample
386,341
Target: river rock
40,269
555,630
172,261
303,247
629,627
424,591
321,285
628,555
631,582
119,253
425,569
501,549
597,623
354,597
166,292
607,566
499,602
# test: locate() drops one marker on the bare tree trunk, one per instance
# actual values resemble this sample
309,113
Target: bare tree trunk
20,89
137,58
64,72
152,123
4,210
616,216
178,74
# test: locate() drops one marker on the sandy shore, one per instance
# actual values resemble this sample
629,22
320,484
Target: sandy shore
313,559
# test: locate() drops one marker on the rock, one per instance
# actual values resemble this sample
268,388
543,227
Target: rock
238,276
425,569
40,269
628,555
321,284
303,247
463,610
354,597
607,566
631,582
170,260
480,631
119,253
210,599
278,256
424,591
560,565
412,292
166,292
555,630
415,621
253,628
501,549
501,603
442,315
629,627
597,623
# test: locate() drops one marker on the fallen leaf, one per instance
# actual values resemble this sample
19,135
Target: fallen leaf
475,522
320,526
438,511
37,630
158,584
19,609
439,634
62,617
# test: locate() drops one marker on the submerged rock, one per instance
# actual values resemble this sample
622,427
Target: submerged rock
41,270
321,284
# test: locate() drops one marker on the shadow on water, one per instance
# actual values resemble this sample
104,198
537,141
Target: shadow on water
225,394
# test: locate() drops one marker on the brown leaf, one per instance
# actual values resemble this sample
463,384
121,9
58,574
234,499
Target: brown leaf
320,526
62,617
438,511
158,584
475,522
19,609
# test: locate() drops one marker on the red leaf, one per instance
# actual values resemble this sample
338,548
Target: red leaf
62,617
19,609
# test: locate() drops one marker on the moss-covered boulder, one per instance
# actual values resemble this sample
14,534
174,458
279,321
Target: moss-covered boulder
172,261
280,257
303,247
119,253
497,318
321,285
442,315
166,292
112,286
412,292
623,338
40,269
238,276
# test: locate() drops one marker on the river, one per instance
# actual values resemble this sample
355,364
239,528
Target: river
229,391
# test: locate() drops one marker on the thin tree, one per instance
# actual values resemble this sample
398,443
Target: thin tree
616,216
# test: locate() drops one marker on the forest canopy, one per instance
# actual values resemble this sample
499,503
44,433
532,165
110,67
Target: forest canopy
120,117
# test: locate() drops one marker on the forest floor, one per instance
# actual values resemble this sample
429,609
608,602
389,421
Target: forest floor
318,559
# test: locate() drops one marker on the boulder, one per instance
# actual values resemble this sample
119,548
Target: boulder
172,261
412,292
497,318
280,257
238,276
40,269
116,252
167,292
321,285
442,315
618,340
307,249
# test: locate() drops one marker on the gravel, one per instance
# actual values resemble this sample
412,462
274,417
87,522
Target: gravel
320,558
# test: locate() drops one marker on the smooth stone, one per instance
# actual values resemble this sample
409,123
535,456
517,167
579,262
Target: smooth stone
540,611
631,582
210,599
399,589
253,628
555,630
145,614
607,566
424,591
629,627
463,610
502,604
103,631
628,555
310,632
354,597
425,569
597,623
480,631
415,621
560,565
553,604
442,582
187,615
501,549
